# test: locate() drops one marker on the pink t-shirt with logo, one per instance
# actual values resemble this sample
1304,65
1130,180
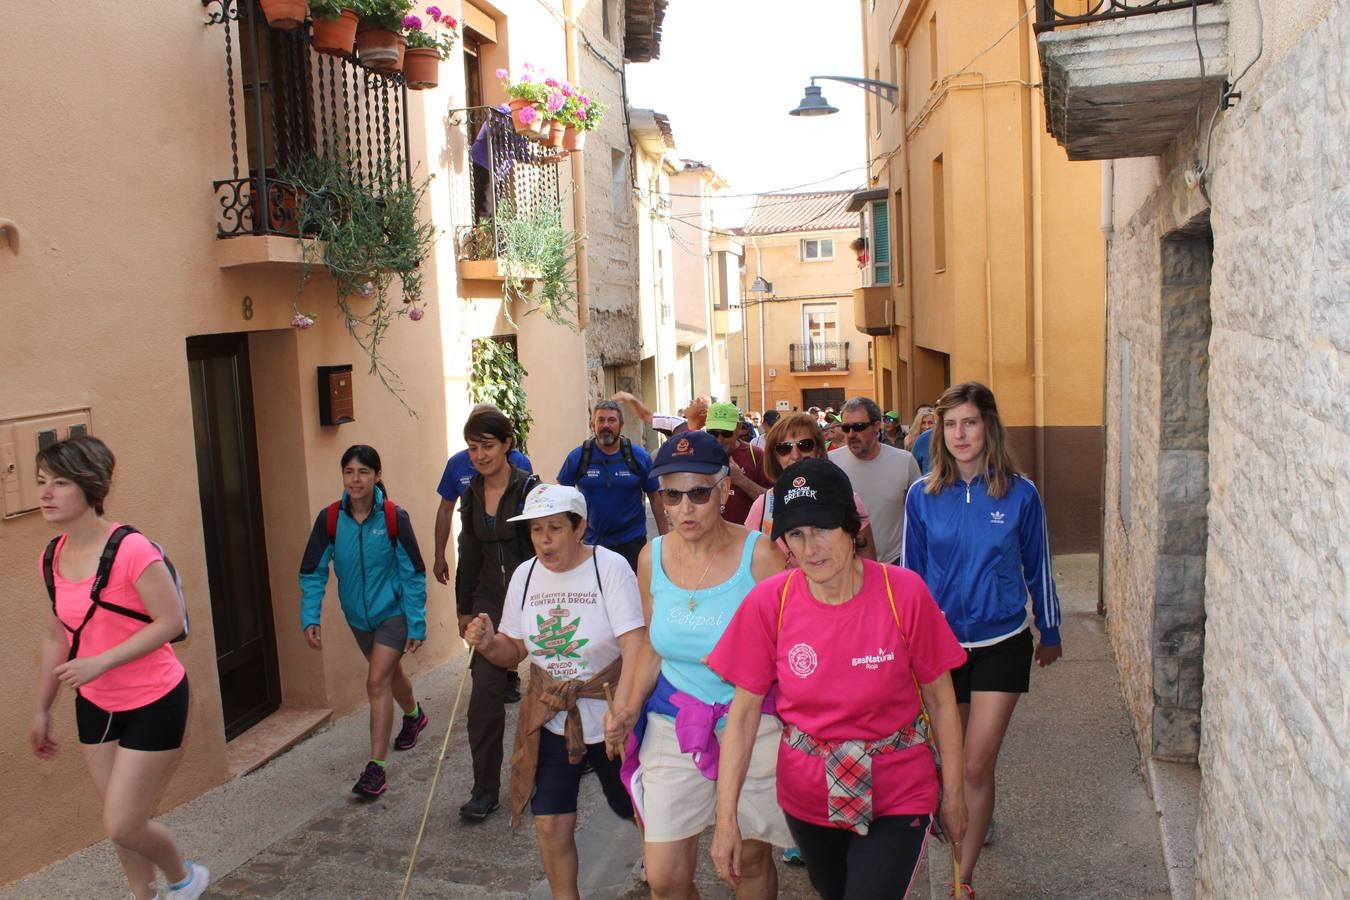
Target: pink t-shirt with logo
843,673
140,681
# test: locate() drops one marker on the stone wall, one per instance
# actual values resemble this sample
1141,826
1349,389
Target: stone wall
1275,735
1274,462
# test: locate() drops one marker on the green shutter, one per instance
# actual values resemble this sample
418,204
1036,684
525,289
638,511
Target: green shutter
881,242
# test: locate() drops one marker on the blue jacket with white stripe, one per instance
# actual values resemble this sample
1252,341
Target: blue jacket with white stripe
981,556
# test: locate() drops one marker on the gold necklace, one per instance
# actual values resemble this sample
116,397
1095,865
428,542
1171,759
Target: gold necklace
692,602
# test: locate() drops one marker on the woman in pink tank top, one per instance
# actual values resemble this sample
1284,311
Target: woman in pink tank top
131,691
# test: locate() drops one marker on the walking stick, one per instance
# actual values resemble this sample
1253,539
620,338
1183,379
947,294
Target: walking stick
421,829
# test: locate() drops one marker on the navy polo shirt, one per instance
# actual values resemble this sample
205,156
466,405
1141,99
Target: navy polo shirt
613,493
459,471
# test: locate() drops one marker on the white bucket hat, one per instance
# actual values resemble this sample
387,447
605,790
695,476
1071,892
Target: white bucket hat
550,499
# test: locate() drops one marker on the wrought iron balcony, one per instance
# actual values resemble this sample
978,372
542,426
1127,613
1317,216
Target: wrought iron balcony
1048,17
819,356
296,104
1127,77
512,179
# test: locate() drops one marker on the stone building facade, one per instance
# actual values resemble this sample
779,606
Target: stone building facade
1228,369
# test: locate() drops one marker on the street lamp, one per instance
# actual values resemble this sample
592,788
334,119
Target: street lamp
813,102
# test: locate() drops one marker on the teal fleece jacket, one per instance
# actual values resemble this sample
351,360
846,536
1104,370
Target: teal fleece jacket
377,578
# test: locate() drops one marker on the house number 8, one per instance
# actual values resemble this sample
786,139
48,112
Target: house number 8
246,308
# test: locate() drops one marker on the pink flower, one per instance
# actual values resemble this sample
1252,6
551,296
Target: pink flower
551,82
529,68
502,74
555,102
434,12
526,77
584,100
416,314
412,23
450,22
301,321
527,114
581,114
367,290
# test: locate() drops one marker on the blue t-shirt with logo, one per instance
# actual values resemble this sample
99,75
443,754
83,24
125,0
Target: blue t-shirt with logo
459,471
613,493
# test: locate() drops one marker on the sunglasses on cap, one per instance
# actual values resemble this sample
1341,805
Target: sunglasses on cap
857,427
698,496
719,432
806,445
888,419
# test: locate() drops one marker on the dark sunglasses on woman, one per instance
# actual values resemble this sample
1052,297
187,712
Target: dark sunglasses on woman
806,445
698,496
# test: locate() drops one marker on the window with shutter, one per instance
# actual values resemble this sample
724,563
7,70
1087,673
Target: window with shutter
881,243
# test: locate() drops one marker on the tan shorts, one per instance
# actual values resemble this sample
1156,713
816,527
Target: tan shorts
680,803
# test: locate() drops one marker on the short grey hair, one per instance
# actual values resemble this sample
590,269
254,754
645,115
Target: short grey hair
866,404
609,404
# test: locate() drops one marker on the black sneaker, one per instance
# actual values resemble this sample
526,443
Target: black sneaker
412,727
371,783
512,694
479,808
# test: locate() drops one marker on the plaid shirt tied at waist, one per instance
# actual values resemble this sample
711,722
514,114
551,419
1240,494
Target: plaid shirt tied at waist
848,769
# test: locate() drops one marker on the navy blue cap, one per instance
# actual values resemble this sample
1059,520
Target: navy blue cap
690,451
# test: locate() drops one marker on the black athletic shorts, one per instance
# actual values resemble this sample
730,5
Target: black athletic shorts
392,632
156,726
1004,667
557,781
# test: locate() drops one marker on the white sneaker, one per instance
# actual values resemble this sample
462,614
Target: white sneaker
198,879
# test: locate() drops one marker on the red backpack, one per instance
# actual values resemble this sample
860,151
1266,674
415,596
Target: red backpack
390,520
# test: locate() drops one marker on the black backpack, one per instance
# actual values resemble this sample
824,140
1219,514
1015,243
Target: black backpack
625,447
101,575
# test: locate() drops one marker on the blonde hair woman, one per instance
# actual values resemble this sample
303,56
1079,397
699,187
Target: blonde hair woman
924,419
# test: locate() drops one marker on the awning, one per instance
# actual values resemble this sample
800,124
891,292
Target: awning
859,199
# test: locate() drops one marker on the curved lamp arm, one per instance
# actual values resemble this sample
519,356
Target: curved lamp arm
883,89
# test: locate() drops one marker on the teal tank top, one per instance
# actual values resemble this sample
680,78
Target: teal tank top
683,638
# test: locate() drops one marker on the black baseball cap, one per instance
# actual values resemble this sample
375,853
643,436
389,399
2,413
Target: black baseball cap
690,451
813,492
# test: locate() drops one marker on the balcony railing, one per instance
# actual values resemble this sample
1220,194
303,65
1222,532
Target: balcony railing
819,356
1048,18
296,104
511,178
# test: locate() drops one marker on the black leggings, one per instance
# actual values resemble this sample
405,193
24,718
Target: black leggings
843,865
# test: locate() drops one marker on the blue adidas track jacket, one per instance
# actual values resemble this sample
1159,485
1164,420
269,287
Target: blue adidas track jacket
980,557
377,578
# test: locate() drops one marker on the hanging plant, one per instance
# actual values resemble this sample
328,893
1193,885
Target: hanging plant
535,247
370,235
497,377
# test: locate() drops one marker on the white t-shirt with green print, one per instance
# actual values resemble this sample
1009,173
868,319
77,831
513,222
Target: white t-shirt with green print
571,623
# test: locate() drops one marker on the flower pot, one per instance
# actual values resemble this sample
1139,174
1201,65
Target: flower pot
573,140
421,68
335,36
377,48
554,138
285,14
525,123
402,49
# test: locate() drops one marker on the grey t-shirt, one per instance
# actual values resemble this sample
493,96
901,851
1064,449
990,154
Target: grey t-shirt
882,483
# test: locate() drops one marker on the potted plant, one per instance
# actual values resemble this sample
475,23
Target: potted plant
582,115
427,47
284,14
527,97
379,35
333,26
555,101
368,234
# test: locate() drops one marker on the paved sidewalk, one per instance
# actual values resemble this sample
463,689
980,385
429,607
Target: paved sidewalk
1074,819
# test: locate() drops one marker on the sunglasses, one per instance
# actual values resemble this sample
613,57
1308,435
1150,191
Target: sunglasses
856,427
698,496
719,433
806,445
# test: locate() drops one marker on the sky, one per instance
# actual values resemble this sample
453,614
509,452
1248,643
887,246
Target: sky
730,70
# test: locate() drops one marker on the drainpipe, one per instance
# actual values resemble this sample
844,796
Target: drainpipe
578,176
1108,230
907,390
1038,286
988,239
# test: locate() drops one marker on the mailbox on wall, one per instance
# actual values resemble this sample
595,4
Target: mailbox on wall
20,440
337,405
